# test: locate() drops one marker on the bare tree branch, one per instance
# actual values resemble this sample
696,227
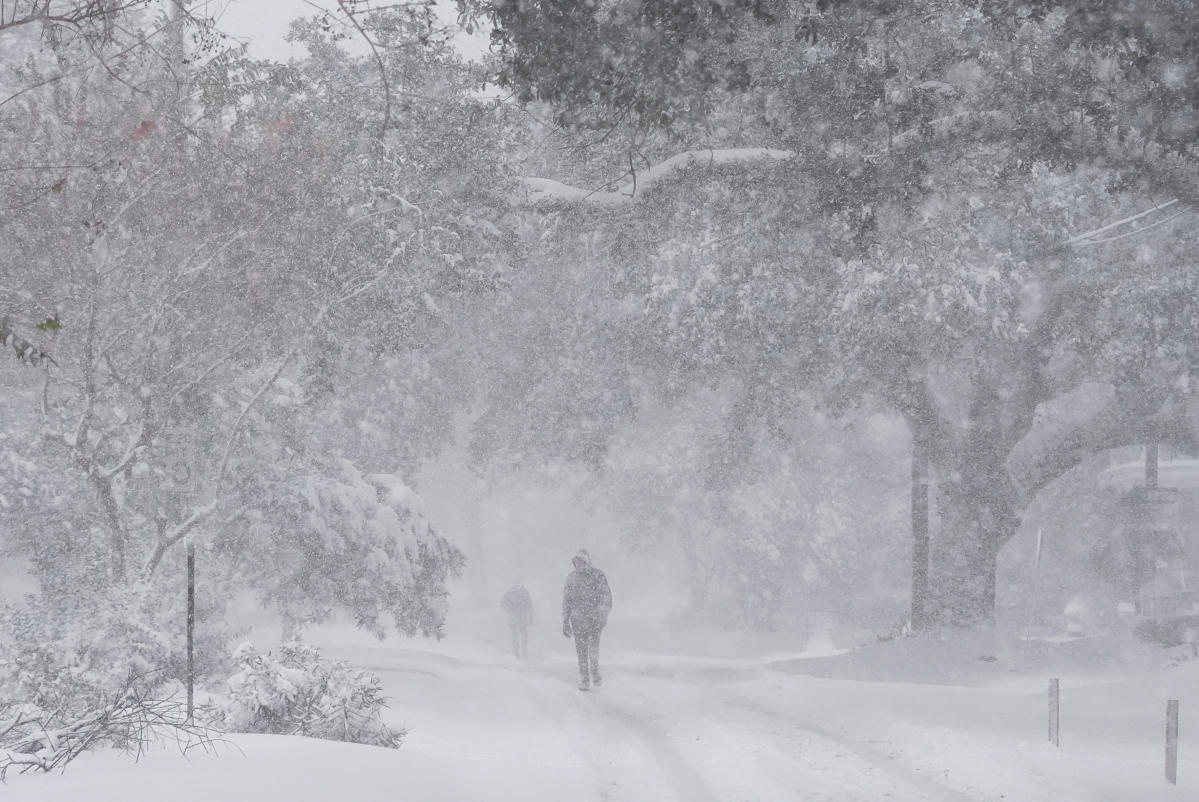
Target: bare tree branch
382,68
130,719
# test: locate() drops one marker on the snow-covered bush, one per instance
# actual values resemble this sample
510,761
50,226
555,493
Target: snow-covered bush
71,654
300,693
81,676
96,667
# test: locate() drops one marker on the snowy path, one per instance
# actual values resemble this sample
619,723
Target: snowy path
643,736
484,728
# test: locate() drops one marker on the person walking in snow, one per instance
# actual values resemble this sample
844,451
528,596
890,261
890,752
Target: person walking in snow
586,601
519,606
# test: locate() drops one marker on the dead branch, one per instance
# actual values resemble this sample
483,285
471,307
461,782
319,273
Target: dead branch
131,720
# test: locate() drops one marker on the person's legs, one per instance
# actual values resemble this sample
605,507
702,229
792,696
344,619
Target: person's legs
515,629
582,639
523,633
593,653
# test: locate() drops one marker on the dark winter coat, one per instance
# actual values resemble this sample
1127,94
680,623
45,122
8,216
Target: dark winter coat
586,599
518,604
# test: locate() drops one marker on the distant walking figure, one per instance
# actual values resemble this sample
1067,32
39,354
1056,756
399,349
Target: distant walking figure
519,606
586,601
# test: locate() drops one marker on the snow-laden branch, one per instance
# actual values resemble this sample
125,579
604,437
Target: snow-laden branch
166,539
74,15
129,718
1135,231
8,726
1086,238
944,126
546,189
198,515
1093,418
283,363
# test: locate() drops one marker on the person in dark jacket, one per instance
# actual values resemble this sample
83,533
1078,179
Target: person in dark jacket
519,606
586,601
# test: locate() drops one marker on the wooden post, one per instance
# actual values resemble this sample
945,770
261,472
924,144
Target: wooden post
1172,741
191,627
919,532
1054,708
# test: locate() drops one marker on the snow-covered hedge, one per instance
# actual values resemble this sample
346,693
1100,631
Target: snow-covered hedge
300,693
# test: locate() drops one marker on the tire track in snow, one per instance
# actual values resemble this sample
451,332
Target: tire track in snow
931,789
683,779
686,782
578,743
599,739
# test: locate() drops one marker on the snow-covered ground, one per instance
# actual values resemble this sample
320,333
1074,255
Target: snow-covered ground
911,720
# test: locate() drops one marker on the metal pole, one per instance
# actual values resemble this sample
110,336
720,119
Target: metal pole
191,627
1054,709
1172,741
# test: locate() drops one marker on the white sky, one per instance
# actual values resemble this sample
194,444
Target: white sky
264,23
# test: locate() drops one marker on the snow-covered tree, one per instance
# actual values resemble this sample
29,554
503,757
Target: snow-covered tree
230,295
901,218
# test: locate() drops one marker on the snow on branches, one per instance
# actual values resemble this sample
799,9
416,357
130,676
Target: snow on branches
301,693
546,189
336,538
35,740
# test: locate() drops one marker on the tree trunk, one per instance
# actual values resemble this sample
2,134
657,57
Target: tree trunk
920,608
980,508
974,527
116,532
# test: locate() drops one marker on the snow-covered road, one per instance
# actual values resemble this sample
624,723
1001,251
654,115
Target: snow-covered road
486,727
702,731
643,736
665,728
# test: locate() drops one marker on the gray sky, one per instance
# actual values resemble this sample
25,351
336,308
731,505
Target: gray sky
263,23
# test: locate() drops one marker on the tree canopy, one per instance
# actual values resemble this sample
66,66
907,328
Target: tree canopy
944,214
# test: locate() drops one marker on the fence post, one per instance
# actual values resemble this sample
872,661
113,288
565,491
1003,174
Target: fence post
1054,709
1172,741
191,626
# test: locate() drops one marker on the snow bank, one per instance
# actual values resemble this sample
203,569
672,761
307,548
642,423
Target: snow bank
279,768
978,658
484,726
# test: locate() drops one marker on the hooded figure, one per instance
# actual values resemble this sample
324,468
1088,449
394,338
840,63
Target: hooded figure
586,601
519,606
